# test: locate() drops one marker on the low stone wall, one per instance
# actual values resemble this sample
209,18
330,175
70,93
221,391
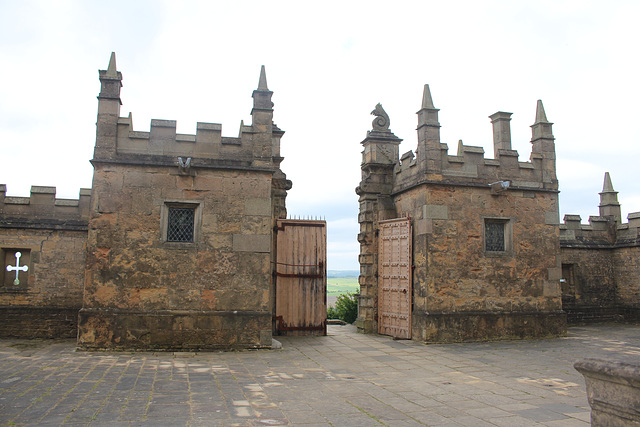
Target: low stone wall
630,314
38,322
483,326
172,330
579,315
613,390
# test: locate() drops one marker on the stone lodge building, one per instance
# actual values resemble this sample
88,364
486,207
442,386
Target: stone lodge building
174,246
463,248
182,242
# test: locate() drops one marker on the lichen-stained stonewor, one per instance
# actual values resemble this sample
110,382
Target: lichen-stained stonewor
180,234
50,234
601,263
485,244
171,248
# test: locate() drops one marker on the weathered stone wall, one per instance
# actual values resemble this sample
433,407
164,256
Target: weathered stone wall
51,235
54,284
488,326
589,288
627,276
153,284
456,280
601,264
627,264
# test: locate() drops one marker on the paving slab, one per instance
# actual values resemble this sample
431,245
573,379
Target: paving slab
343,379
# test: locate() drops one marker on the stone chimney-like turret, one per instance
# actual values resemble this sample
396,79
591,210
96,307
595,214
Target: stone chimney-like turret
501,132
108,110
609,205
262,122
544,147
429,151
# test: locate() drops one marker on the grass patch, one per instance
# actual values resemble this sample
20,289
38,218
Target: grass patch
342,285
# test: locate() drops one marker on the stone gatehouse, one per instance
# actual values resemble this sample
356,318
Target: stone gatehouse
460,247
182,241
173,246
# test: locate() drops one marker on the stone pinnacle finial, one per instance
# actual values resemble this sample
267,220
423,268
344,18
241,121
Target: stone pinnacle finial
262,84
111,70
541,117
427,102
607,187
609,205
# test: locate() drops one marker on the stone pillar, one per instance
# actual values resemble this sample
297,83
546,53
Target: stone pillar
367,301
379,158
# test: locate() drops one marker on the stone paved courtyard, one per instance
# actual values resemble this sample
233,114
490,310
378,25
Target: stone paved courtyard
344,379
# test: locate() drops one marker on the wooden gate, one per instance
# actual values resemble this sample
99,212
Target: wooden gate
394,278
301,278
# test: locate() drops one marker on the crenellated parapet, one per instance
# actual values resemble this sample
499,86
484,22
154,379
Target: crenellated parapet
604,231
600,232
42,210
433,163
256,145
470,167
207,144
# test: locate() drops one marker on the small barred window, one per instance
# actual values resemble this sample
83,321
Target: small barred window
180,224
494,236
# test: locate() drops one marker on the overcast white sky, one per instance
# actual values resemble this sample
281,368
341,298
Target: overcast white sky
328,64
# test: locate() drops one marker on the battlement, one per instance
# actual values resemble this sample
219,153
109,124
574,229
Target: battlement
470,166
601,232
207,143
257,145
43,210
605,230
431,162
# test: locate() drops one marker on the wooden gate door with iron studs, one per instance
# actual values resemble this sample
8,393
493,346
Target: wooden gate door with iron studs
394,278
301,277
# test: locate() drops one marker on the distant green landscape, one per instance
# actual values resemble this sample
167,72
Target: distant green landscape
342,285
341,282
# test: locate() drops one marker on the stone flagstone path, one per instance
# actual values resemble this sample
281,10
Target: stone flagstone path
344,379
